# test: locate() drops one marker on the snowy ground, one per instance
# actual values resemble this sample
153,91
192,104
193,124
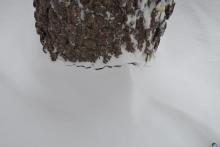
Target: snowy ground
173,102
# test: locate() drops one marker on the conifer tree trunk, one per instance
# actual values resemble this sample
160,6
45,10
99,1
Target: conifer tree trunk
89,31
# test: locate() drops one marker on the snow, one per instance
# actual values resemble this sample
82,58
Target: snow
173,101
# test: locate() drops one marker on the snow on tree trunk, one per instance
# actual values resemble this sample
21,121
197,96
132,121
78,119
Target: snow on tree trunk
102,33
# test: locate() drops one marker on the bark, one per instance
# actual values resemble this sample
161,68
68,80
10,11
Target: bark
86,30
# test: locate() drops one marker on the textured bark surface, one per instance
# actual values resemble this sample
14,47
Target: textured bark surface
85,30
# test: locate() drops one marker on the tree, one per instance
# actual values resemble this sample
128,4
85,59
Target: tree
88,30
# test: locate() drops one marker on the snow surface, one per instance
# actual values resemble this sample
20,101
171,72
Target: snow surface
173,102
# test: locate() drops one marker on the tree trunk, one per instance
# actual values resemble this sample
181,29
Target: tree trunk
108,32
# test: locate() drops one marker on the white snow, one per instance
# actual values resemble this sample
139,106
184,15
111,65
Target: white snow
172,102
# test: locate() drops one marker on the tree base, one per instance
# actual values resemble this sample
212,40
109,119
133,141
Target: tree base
107,32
